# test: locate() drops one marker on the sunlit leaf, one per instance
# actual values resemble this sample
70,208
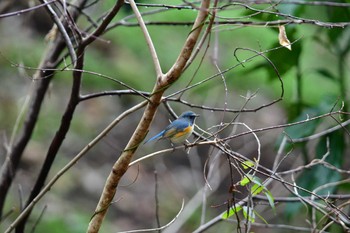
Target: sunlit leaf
247,164
256,189
246,180
232,211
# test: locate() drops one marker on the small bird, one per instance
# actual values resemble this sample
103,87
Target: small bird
179,130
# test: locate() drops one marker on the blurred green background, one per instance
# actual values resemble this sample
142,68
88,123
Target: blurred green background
315,77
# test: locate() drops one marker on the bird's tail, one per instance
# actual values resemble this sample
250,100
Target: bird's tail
158,136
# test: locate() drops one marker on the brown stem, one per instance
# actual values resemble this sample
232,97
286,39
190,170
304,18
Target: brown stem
55,143
43,77
163,82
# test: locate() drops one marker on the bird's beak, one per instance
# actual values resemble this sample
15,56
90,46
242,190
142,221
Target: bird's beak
197,115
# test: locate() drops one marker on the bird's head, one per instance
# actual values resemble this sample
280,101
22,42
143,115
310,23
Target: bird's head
189,115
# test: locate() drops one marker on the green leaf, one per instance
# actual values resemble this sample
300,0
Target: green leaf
256,189
247,164
231,211
271,200
261,217
246,180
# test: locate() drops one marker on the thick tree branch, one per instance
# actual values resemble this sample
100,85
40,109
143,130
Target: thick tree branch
57,140
163,82
66,118
68,114
42,80
47,188
105,22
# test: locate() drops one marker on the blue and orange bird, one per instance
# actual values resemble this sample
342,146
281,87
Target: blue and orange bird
179,130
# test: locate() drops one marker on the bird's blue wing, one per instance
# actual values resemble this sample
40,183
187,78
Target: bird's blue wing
160,135
175,127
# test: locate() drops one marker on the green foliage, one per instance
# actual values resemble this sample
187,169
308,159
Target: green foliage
247,164
256,188
232,211
271,200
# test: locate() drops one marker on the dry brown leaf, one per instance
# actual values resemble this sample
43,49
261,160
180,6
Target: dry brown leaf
282,37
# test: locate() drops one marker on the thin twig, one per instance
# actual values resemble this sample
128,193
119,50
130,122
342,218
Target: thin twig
19,12
163,82
148,39
72,163
245,23
105,22
156,199
63,31
159,228
39,219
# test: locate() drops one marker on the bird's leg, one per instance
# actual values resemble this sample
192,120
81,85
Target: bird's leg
173,146
186,145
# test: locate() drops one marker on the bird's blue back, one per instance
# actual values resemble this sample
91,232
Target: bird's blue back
181,124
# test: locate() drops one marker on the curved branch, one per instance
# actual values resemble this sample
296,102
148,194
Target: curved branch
158,228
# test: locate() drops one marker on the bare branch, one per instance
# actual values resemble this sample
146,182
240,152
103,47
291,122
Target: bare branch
158,228
149,42
26,10
273,23
187,49
63,31
106,20
49,185
163,82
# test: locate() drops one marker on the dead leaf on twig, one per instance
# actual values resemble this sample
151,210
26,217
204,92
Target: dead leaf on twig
282,37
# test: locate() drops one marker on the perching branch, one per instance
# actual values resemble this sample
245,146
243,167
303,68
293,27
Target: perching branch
163,82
